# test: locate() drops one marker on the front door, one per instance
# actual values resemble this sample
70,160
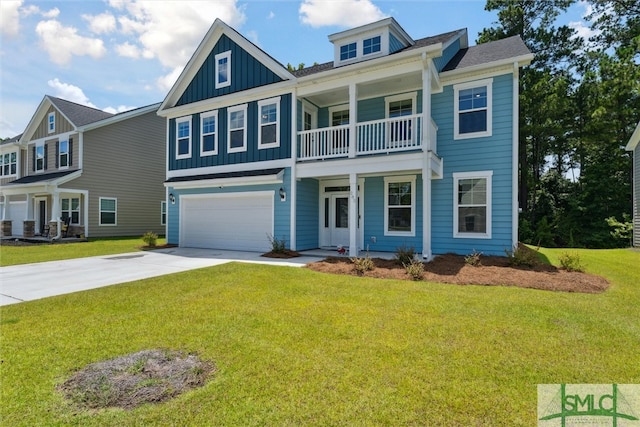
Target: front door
41,219
339,220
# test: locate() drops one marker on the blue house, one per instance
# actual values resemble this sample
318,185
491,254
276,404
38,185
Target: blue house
396,142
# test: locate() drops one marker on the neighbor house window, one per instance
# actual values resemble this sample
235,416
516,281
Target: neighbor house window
63,154
472,204
237,135
40,157
371,45
108,211
71,209
163,213
223,69
400,206
268,123
473,109
209,133
51,123
348,51
183,138
8,164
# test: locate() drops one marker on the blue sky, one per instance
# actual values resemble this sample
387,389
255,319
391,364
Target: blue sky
120,54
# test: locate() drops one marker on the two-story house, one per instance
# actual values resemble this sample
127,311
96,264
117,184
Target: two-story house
396,142
77,171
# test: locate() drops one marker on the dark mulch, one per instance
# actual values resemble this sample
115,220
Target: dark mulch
287,253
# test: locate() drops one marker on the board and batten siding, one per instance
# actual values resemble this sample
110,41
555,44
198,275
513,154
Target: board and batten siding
246,73
492,153
62,125
307,214
636,196
125,160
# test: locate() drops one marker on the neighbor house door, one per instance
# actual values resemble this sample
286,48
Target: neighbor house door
41,215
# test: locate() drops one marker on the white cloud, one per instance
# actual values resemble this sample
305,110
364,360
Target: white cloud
118,109
63,42
69,92
165,83
346,13
128,50
10,17
35,10
170,31
271,15
101,24
53,13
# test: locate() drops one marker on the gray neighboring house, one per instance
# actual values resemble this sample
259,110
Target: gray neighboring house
103,173
634,146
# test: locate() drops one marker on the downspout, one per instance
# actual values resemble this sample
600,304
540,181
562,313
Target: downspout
426,167
293,190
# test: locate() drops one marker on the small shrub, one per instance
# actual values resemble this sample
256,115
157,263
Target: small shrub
415,269
405,254
361,265
277,245
571,261
473,259
150,238
521,256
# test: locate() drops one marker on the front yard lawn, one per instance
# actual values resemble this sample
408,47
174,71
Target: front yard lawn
296,347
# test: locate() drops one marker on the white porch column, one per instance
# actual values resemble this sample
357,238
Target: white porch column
5,203
292,186
56,209
29,211
426,159
353,118
353,215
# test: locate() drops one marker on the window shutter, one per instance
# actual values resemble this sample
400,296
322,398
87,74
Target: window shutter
57,153
70,151
34,158
45,156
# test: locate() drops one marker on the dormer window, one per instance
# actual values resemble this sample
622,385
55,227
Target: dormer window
348,51
371,45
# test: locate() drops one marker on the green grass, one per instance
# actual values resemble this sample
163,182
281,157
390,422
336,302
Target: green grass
13,255
297,347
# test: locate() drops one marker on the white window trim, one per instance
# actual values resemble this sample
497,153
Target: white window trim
60,154
178,121
100,212
307,107
353,58
50,128
472,175
71,210
230,110
218,57
269,101
378,52
392,179
341,107
456,105
413,96
163,212
202,134
44,157
3,164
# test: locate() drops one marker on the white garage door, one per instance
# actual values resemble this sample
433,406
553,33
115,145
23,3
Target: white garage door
239,221
17,212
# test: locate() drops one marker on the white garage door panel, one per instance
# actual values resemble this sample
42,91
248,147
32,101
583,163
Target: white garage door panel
228,222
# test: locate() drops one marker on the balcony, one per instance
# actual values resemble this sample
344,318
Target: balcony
386,136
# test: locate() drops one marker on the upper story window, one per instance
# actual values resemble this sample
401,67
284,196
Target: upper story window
400,206
348,51
398,106
269,123
63,154
223,69
9,164
371,45
473,109
51,122
183,137
40,157
209,133
237,134
472,204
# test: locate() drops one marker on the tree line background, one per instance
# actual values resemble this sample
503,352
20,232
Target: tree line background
579,105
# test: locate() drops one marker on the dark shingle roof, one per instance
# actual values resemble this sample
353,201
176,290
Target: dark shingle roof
78,114
488,52
11,140
40,177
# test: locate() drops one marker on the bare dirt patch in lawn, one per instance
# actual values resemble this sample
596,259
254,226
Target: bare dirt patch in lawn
493,271
148,376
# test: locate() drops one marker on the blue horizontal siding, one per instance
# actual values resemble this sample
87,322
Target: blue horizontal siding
246,73
307,221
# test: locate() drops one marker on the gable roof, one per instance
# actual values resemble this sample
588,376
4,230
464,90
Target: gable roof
634,140
202,52
511,48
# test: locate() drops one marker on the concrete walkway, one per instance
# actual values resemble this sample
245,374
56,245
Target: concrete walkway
29,282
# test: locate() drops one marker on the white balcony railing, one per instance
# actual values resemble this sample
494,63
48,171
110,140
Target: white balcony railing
374,137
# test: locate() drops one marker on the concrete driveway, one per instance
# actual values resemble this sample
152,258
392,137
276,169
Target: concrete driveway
29,282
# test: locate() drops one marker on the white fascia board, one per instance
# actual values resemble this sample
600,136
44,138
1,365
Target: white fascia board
238,167
262,92
374,165
37,117
634,140
119,117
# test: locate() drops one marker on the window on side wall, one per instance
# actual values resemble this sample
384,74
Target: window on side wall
108,211
163,213
472,204
269,123
183,138
237,134
223,69
400,206
71,209
209,133
473,109
348,51
51,123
